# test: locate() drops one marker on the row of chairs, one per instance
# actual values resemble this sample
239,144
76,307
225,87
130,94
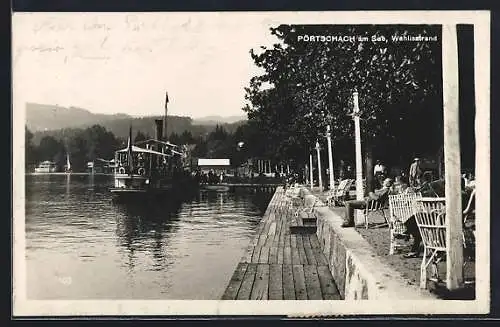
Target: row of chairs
429,214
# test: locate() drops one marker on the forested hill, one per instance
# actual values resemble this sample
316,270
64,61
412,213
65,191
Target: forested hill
40,117
47,120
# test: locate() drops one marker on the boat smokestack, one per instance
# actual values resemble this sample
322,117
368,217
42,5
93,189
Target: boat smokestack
159,129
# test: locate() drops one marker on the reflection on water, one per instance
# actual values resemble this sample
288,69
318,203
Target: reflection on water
82,245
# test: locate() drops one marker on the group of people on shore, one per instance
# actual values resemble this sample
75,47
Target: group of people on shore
211,177
415,181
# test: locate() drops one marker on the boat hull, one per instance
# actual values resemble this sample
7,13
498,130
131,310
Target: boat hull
140,194
215,188
45,171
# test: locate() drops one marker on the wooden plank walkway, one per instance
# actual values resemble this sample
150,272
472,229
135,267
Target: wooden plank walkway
278,265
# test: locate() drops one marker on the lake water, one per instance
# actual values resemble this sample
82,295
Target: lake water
82,245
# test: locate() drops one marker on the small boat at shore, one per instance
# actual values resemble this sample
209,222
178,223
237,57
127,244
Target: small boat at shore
46,167
215,187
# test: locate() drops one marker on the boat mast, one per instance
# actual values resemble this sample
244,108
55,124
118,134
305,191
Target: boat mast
165,134
68,163
130,152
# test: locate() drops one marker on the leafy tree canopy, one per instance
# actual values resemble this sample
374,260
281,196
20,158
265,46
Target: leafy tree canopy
307,85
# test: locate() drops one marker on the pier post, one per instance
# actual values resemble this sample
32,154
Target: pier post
320,179
454,252
330,157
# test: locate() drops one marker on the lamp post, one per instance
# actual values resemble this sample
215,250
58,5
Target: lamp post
311,177
330,157
357,140
320,180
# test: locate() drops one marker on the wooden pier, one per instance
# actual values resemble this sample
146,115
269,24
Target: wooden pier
280,265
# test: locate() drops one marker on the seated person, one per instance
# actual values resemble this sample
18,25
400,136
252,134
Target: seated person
381,194
402,186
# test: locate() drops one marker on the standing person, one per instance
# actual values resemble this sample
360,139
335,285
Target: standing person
379,172
379,168
349,173
342,170
415,173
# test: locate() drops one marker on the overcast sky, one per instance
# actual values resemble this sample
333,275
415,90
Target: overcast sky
122,62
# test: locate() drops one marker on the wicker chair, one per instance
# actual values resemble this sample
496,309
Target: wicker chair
373,207
339,195
401,207
303,209
469,234
430,218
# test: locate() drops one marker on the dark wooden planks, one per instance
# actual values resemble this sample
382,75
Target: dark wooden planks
313,239
247,283
264,254
302,252
328,288
295,256
281,265
273,255
280,254
313,285
320,257
283,229
287,255
275,282
311,259
235,282
299,240
299,282
256,254
261,283
288,283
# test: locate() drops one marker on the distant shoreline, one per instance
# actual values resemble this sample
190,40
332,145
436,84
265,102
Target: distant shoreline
78,174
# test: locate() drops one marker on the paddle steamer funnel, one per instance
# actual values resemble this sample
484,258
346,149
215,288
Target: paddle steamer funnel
159,129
